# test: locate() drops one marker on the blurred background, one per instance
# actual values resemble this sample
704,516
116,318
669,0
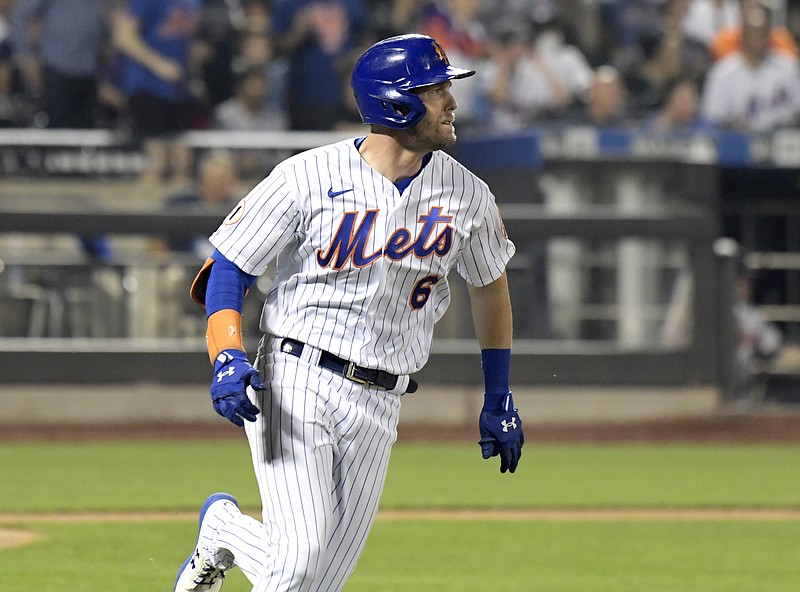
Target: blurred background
645,155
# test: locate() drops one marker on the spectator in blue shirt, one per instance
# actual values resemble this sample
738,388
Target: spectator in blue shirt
155,37
315,35
61,64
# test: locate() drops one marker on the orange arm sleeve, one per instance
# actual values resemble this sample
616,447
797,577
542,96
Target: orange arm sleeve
224,331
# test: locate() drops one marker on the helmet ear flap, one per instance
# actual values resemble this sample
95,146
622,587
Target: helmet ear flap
387,107
397,107
403,110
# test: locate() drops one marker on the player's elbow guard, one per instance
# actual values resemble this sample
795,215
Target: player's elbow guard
200,283
220,284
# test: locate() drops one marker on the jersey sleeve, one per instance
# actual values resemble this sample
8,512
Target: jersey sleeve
488,248
261,225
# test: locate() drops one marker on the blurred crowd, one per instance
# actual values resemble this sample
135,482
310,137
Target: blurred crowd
154,67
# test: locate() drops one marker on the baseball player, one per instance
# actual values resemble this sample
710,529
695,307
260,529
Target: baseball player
364,233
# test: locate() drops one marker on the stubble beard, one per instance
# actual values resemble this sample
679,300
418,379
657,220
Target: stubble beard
429,137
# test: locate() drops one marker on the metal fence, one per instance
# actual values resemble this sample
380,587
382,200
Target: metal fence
615,280
90,322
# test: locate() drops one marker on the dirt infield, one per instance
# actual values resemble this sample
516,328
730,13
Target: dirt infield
10,539
774,426
437,514
13,538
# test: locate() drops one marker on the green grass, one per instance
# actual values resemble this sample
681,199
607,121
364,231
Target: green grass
135,475
122,475
446,556
587,476
576,556
581,557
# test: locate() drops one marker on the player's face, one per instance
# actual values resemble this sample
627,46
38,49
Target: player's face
436,130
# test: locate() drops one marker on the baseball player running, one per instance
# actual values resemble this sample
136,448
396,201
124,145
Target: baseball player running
364,232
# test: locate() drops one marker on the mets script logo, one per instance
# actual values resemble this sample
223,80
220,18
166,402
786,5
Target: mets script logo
349,242
440,52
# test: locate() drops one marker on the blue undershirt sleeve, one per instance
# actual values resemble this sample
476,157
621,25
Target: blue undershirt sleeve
496,365
227,285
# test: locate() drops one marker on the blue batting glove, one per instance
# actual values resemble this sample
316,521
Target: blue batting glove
501,431
233,373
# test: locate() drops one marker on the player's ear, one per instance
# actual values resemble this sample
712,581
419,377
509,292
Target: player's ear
200,283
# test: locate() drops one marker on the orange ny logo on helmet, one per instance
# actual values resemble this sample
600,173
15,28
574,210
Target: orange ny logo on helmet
440,52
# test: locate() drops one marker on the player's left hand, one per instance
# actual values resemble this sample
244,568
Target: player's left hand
501,432
233,373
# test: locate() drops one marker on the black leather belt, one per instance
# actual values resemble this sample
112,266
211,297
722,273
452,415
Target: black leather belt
348,369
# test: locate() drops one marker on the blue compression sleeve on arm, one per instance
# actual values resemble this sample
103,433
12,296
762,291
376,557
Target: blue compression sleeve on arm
496,365
227,285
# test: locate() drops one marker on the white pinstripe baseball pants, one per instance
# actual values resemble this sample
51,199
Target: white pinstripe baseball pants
320,450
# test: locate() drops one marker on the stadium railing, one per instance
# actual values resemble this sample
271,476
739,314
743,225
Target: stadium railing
656,226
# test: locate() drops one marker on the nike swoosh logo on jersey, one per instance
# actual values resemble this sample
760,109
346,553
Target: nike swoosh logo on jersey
332,193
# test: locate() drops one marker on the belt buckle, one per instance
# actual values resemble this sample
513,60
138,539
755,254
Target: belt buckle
349,374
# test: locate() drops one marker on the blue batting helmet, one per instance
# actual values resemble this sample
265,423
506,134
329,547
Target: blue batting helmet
387,73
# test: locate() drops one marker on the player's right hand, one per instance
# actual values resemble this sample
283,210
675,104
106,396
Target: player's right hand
233,373
501,432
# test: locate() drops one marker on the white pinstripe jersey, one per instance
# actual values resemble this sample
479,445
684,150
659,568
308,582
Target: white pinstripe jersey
361,269
760,98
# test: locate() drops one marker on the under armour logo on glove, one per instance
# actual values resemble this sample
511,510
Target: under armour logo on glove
501,431
234,374
509,424
229,372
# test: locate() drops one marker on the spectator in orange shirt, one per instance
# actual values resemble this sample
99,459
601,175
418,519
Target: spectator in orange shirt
729,40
